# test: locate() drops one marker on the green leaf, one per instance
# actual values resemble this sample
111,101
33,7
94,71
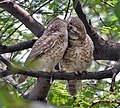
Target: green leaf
117,10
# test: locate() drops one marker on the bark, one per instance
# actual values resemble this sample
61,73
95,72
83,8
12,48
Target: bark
17,47
63,75
40,90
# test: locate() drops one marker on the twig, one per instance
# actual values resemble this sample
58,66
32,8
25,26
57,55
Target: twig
67,9
113,81
102,64
115,72
41,7
9,26
11,7
23,93
12,33
5,61
102,22
10,66
107,3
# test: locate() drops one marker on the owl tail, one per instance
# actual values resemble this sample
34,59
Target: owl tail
73,86
22,78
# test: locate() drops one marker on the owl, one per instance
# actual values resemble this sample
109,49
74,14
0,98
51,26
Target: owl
47,51
79,53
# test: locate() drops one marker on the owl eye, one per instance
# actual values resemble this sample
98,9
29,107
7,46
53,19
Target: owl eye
70,27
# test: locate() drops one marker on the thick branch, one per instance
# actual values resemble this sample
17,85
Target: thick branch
103,50
18,12
13,69
17,47
63,75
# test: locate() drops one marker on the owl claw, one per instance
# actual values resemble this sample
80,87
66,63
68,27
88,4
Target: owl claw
84,72
51,78
78,73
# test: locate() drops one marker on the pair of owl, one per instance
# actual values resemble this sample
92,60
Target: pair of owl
65,42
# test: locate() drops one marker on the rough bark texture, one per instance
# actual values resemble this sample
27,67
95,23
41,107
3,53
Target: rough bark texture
17,47
63,75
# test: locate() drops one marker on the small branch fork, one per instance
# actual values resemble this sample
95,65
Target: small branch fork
115,72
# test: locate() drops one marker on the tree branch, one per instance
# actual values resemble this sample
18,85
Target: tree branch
17,47
104,50
61,75
13,69
18,12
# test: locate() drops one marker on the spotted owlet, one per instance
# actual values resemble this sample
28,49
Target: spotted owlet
48,50
79,54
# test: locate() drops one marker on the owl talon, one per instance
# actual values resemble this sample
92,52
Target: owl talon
51,78
84,72
78,73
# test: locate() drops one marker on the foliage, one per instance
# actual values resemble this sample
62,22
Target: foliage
104,16
9,97
93,94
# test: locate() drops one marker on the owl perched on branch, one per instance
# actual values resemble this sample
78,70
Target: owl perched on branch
79,53
47,51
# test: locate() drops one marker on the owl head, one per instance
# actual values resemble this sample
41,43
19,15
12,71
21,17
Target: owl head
57,24
76,29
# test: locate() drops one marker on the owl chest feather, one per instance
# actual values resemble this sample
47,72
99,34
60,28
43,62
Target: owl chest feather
80,59
78,56
55,55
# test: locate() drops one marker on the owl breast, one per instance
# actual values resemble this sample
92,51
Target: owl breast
79,56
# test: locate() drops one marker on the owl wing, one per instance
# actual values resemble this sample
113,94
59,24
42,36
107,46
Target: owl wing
42,45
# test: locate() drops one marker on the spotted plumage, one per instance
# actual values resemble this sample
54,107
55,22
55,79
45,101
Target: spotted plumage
79,54
49,49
